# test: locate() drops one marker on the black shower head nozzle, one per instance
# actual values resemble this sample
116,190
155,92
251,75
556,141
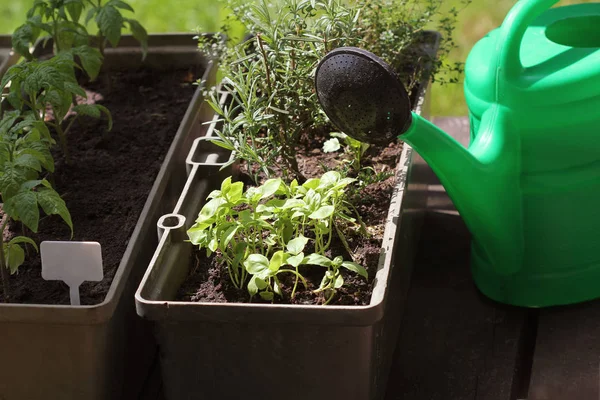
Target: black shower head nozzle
362,95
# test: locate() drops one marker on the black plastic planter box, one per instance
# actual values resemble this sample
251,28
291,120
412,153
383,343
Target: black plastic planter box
104,351
265,351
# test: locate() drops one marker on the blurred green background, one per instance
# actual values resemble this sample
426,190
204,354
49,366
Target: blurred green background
186,15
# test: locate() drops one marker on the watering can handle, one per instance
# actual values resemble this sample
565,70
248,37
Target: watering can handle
508,45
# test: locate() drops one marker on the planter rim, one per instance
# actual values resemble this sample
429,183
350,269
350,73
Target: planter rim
99,313
303,314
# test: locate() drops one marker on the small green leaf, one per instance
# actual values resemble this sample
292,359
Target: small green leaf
277,260
213,245
261,283
252,286
339,281
225,184
354,267
277,287
23,206
234,192
140,34
52,203
94,111
331,145
317,259
270,187
311,183
15,257
120,4
268,296
74,8
296,260
91,60
110,23
329,178
296,245
322,213
293,203
257,264
74,88
197,236
28,161
23,239
11,180
23,37
228,235
207,214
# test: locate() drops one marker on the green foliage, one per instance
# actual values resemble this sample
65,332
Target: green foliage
354,148
110,22
61,21
36,87
271,77
267,230
393,30
24,158
271,74
58,19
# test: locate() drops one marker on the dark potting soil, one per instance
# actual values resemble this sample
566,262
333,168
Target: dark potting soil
209,281
110,175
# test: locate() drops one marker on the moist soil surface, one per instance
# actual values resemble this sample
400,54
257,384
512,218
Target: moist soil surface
110,175
209,281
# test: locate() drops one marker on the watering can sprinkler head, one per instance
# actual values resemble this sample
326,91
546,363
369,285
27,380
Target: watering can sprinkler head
362,95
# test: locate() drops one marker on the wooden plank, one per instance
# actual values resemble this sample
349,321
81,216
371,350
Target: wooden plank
567,353
454,343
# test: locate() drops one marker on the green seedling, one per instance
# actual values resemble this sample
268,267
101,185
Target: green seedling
56,19
24,157
37,87
60,20
354,148
262,232
333,279
271,75
110,23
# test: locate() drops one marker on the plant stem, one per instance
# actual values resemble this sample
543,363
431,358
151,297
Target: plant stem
63,142
3,267
266,61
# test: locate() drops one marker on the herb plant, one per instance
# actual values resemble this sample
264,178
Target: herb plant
268,230
271,74
355,148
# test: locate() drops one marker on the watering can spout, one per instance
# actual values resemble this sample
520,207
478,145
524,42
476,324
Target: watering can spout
482,181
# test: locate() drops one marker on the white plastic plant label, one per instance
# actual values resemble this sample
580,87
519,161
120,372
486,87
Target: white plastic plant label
73,263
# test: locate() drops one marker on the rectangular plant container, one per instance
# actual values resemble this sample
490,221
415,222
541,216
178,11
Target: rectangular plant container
266,351
104,351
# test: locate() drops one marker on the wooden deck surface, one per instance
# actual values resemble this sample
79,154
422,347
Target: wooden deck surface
455,344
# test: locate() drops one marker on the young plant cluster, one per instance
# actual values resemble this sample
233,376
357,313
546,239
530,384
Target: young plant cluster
273,104
271,75
38,100
275,228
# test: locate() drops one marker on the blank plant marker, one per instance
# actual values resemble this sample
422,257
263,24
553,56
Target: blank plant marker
72,263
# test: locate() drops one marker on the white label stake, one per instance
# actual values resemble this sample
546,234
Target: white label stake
73,263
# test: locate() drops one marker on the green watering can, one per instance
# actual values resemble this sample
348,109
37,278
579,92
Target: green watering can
528,186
